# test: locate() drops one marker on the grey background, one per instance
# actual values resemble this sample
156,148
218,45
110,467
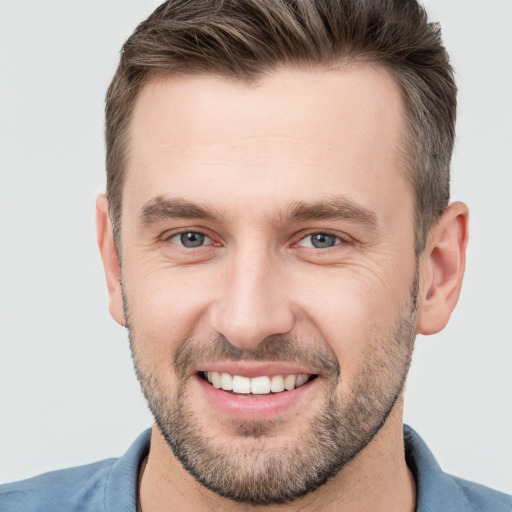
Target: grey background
67,391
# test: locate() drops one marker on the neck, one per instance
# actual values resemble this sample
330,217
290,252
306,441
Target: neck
377,479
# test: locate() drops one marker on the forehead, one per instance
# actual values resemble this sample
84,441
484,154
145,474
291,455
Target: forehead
301,133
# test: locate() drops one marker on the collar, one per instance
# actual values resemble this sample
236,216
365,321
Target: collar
435,489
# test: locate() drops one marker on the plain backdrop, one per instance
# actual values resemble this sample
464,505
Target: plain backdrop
68,395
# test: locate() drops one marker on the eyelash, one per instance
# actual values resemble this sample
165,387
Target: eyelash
169,237
341,239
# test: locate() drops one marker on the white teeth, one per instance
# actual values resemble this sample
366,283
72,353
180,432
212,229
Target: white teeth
301,379
215,379
226,381
260,385
289,382
277,384
241,384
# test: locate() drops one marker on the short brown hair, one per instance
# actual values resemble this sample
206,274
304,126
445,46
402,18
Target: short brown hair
242,39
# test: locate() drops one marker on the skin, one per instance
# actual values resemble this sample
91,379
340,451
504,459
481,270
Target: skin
249,153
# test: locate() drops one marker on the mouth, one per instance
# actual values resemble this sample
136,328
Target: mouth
261,385
250,392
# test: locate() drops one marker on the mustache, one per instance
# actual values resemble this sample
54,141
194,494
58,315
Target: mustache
275,348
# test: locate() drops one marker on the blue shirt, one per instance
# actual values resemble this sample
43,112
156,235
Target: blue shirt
111,485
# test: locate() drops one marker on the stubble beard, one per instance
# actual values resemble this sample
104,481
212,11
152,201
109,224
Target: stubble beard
254,472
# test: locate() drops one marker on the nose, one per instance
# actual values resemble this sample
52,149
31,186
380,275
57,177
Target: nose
251,304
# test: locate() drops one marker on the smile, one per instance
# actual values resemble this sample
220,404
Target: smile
259,385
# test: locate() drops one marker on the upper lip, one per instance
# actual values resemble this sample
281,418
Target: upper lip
247,369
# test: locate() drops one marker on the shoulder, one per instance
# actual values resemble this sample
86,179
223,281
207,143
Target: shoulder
71,490
437,490
482,498
99,487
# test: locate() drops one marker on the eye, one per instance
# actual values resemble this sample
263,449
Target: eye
320,241
190,239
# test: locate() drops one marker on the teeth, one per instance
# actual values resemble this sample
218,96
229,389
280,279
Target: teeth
257,385
301,379
215,379
277,384
226,381
260,385
289,382
241,384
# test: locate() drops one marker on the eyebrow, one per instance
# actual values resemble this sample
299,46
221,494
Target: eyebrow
339,208
161,208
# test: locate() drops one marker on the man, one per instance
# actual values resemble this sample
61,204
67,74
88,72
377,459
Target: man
275,232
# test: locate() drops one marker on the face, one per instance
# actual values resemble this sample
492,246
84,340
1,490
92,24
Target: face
269,276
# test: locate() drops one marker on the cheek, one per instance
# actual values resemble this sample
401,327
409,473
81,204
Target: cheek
165,309
353,315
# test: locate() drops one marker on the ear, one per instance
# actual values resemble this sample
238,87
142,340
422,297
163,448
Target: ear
442,268
110,260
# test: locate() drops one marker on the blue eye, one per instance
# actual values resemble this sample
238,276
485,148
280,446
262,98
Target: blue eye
190,239
319,241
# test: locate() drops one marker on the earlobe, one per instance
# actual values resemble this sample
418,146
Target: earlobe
442,269
110,259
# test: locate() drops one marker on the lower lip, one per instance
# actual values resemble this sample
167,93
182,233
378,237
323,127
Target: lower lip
254,407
